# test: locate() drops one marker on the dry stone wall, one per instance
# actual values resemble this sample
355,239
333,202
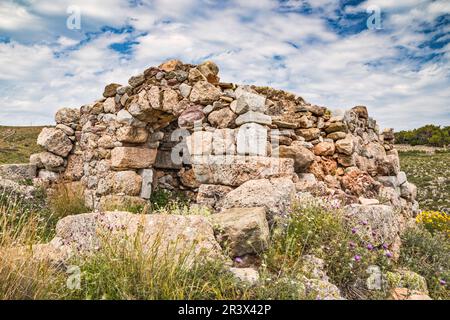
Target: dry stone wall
178,127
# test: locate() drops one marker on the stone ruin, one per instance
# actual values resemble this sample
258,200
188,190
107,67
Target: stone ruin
224,146
178,127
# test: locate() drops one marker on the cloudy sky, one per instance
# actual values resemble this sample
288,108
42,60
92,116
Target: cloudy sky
392,56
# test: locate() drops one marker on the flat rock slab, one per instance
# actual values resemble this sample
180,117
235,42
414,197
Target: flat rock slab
18,171
235,170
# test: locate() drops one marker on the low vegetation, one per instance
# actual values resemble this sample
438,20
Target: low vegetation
18,143
431,174
430,135
124,272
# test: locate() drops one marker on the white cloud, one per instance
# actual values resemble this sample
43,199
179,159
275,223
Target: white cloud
242,37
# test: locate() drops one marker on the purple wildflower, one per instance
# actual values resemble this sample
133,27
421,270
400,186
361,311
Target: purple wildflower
357,258
238,260
442,282
388,254
352,244
364,223
369,247
385,246
353,230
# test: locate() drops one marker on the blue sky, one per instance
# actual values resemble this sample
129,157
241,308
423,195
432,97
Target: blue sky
321,50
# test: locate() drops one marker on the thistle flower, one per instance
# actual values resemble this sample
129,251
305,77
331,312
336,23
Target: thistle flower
388,254
369,246
442,282
357,258
353,230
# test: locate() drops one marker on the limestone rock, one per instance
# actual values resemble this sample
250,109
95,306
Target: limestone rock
252,116
185,90
379,223
301,155
275,195
247,275
235,170
210,70
173,235
169,100
252,140
132,134
309,134
55,141
242,231
132,157
324,149
204,93
345,146
147,176
199,143
50,161
18,171
248,101
67,116
210,194
127,182
111,90
224,142
223,118
170,65
124,117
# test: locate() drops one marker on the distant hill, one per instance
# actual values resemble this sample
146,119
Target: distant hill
429,135
18,143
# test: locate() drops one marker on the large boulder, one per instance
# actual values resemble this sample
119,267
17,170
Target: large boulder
275,195
127,182
235,170
55,141
47,160
242,231
161,236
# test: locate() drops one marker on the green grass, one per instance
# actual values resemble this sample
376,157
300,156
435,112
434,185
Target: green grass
18,143
431,174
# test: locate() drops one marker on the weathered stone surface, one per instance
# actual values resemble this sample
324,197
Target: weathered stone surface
301,155
169,100
408,191
190,116
360,183
18,171
185,90
67,116
336,126
48,176
111,90
224,142
188,179
55,141
132,157
379,223
50,161
337,135
403,278
248,101
170,65
309,134
210,70
275,195
252,140
204,93
211,194
132,134
252,116
173,235
124,117
223,118
127,182
247,275
324,149
407,294
242,231
345,146
164,160
136,81
199,143
147,176
235,170
66,129
74,169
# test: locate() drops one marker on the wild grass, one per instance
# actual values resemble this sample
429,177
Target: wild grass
67,199
18,143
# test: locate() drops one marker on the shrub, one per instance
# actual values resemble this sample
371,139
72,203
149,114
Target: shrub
435,221
428,255
321,230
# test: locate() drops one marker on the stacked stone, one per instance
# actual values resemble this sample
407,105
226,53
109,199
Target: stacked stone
61,153
178,127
